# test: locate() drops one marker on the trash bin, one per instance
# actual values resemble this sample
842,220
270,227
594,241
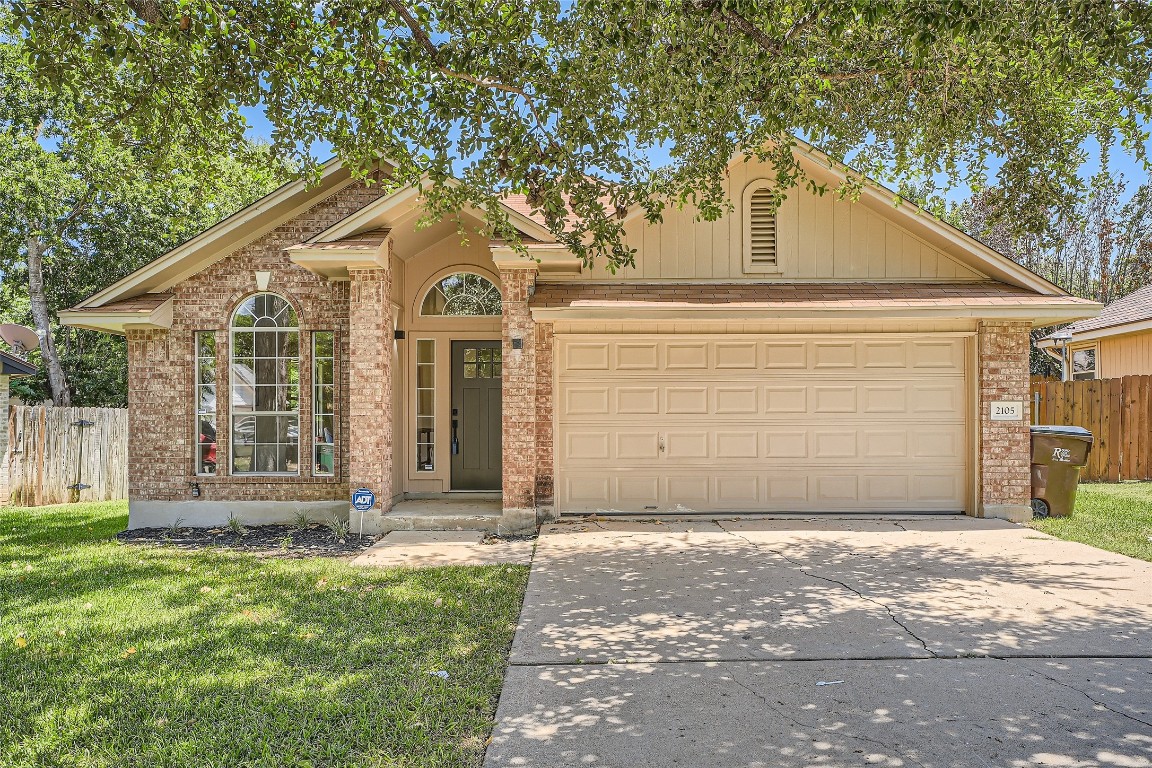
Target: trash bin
1057,455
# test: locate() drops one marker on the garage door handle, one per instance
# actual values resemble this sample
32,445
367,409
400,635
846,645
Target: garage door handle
661,440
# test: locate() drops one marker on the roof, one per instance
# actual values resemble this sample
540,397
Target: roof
985,299
149,310
10,365
1134,308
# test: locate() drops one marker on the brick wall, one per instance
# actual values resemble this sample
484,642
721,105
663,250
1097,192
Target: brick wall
545,465
160,375
4,439
519,391
1005,453
370,375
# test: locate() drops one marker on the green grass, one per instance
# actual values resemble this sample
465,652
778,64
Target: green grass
1116,517
115,655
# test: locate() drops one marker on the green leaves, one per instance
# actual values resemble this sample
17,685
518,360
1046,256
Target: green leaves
566,103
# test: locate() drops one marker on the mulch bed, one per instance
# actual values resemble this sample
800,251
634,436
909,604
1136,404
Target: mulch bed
268,540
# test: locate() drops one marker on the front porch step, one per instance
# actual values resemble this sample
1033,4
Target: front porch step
445,522
477,514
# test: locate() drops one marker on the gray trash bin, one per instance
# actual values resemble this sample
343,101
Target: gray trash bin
1057,454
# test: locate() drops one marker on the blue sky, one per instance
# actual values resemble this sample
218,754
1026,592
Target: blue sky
1119,161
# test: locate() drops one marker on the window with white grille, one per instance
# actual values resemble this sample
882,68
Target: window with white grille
760,229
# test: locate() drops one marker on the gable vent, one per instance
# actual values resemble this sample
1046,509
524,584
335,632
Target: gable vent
762,234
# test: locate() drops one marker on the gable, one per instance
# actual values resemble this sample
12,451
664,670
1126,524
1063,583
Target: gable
818,237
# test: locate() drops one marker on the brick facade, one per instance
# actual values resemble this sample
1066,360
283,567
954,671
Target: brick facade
519,391
360,312
1004,446
370,376
160,369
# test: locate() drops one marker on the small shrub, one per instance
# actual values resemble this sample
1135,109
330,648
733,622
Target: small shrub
236,525
174,529
301,521
286,542
338,528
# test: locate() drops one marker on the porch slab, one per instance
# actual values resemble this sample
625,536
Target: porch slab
444,515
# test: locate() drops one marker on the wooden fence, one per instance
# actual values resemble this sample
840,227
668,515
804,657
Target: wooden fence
1118,413
61,455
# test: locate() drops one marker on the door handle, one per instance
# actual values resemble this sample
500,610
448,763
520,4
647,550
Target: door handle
455,439
661,441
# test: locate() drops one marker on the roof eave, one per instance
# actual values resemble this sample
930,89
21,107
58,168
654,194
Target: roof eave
1120,329
1037,314
118,322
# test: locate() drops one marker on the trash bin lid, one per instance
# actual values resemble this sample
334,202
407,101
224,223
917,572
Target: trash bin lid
1062,430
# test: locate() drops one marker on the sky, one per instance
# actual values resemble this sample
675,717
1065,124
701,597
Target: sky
1118,160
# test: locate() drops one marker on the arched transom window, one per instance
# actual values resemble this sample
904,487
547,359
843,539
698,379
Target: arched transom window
265,387
460,295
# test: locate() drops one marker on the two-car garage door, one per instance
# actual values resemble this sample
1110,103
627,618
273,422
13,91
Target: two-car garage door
761,423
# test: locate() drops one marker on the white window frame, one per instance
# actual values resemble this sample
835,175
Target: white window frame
1094,372
746,221
232,330
417,389
317,414
197,401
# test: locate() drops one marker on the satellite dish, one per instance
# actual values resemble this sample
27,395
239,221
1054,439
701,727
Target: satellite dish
18,337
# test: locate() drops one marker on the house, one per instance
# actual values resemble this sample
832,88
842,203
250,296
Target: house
835,356
1115,343
10,366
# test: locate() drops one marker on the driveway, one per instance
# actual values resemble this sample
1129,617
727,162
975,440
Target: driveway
917,642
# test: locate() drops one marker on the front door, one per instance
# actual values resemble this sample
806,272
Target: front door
476,415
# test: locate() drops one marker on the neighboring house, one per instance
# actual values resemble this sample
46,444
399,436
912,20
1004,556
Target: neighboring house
834,357
10,366
1115,343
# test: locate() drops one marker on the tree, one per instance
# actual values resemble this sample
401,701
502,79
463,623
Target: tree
566,102
81,208
1099,248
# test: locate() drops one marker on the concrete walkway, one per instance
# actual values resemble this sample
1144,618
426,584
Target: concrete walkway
433,549
940,642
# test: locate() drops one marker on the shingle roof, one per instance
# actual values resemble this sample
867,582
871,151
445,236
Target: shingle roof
798,295
1133,308
10,365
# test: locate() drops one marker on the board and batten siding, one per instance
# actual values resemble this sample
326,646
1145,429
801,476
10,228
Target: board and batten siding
1127,355
818,237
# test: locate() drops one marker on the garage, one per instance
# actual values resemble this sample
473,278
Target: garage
772,423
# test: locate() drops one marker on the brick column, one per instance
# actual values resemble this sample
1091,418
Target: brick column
3,440
159,446
1005,446
545,480
371,340
518,400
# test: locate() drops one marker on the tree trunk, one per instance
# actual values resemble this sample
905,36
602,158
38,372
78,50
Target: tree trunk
57,381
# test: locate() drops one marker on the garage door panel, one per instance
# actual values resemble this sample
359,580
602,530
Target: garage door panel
753,423
837,354
686,356
783,355
834,399
585,401
638,400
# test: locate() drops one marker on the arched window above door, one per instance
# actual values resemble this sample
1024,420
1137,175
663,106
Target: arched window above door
462,294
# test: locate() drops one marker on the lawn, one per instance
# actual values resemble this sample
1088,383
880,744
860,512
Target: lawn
116,655
1116,517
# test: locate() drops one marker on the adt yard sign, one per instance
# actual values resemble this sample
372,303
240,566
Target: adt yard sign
363,499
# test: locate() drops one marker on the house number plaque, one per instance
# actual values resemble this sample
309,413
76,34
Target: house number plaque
1007,410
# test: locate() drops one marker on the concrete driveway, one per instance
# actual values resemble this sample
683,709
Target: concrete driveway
918,642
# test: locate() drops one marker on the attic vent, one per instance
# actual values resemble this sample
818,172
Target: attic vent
762,231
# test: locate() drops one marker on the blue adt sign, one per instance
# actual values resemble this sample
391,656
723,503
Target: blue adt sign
363,499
